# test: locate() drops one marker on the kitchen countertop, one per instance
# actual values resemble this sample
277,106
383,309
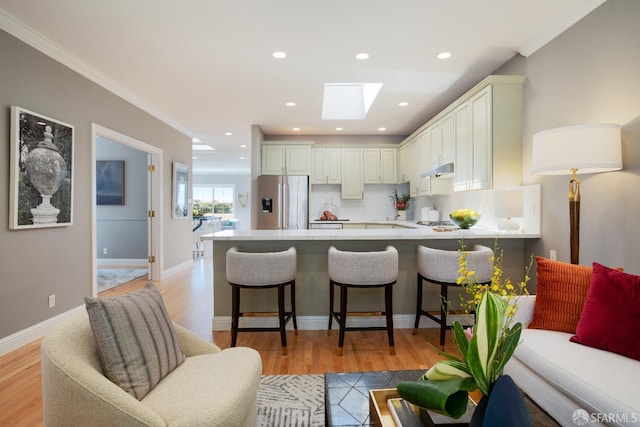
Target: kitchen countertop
409,231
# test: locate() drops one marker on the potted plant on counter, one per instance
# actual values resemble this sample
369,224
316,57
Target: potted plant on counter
401,202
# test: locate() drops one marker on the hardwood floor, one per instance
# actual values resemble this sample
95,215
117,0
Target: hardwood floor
189,299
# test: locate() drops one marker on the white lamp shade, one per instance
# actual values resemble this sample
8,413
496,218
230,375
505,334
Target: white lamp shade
589,148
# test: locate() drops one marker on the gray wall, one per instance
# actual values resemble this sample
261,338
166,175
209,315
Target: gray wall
589,74
122,229
39,262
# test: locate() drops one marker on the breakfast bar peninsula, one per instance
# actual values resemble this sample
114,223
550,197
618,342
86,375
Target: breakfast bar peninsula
312,280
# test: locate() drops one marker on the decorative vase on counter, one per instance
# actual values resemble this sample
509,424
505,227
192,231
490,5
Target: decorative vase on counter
401,215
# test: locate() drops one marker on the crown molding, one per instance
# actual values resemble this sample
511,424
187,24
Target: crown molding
41,43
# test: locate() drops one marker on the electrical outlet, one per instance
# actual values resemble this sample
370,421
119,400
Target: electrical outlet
553,255
105,251
52,301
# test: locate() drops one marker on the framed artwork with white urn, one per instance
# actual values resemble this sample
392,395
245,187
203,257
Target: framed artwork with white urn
41,171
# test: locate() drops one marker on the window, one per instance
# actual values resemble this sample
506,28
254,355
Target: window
213,200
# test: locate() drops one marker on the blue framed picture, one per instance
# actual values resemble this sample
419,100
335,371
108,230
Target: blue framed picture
110,182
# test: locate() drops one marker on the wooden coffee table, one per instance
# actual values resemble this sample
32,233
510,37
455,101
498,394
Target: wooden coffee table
347,397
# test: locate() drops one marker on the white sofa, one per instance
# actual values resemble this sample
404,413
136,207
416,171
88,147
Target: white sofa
563,377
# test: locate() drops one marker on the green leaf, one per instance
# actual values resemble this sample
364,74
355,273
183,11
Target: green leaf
461,340
509,345
483,348
448,397
448,369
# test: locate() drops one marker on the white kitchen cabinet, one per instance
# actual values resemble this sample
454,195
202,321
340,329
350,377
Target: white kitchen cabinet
352,173
326,166
402,164
488,128
380,165
481,132
442,141
286,158
424,156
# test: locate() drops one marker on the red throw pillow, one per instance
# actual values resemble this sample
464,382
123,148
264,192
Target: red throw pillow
611,315
560,294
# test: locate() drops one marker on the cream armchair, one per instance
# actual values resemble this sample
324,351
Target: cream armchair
212,387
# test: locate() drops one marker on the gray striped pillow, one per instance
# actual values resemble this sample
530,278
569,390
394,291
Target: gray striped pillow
135,338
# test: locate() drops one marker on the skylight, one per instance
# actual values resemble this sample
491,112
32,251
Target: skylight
202,147
348,101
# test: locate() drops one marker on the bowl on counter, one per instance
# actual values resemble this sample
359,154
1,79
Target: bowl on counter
465,218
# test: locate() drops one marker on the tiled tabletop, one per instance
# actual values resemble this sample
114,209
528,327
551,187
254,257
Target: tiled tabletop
347,394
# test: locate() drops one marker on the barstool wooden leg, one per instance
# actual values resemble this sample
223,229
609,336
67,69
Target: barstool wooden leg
443,313
343,318
331,294
235,314
293,306
283,333
388,303
418,306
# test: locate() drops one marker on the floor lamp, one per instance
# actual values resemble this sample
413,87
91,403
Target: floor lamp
589,148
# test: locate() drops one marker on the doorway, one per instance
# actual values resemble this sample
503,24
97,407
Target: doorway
143,217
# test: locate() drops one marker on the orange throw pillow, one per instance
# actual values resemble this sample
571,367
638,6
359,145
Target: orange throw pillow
561,291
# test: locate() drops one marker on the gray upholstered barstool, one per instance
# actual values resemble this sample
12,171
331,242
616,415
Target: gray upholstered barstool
266,270
441,268
362,270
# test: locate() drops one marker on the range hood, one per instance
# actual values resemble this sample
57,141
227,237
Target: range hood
442,171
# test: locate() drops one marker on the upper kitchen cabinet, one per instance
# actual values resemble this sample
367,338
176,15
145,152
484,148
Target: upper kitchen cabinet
479,134
326,165
352,173
488,135
380,165
290,158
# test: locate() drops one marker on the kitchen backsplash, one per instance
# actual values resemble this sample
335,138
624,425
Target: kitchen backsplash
376,204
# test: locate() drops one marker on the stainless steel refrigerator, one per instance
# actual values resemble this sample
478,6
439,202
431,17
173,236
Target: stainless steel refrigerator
283,202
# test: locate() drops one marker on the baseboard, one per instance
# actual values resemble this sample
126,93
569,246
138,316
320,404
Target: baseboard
176,269
35,332
123,262
318,323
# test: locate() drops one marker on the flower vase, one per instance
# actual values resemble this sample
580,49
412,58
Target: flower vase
504,406
401,215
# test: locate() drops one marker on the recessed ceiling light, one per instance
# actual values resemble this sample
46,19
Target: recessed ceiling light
241,157
194,158
228,133
279,55
296,129
338,128
403,104
195,141
382,129
243,146
444,55
290,104
362,56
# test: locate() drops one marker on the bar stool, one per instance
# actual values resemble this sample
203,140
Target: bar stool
262,271
441,267
362,270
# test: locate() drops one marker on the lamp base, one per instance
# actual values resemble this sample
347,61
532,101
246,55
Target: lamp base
508,225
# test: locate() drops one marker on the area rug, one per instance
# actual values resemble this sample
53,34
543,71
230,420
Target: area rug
112,277
291,400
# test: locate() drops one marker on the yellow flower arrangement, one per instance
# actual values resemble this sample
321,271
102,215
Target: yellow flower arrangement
499,285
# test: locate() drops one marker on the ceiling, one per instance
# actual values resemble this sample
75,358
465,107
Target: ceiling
206,68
